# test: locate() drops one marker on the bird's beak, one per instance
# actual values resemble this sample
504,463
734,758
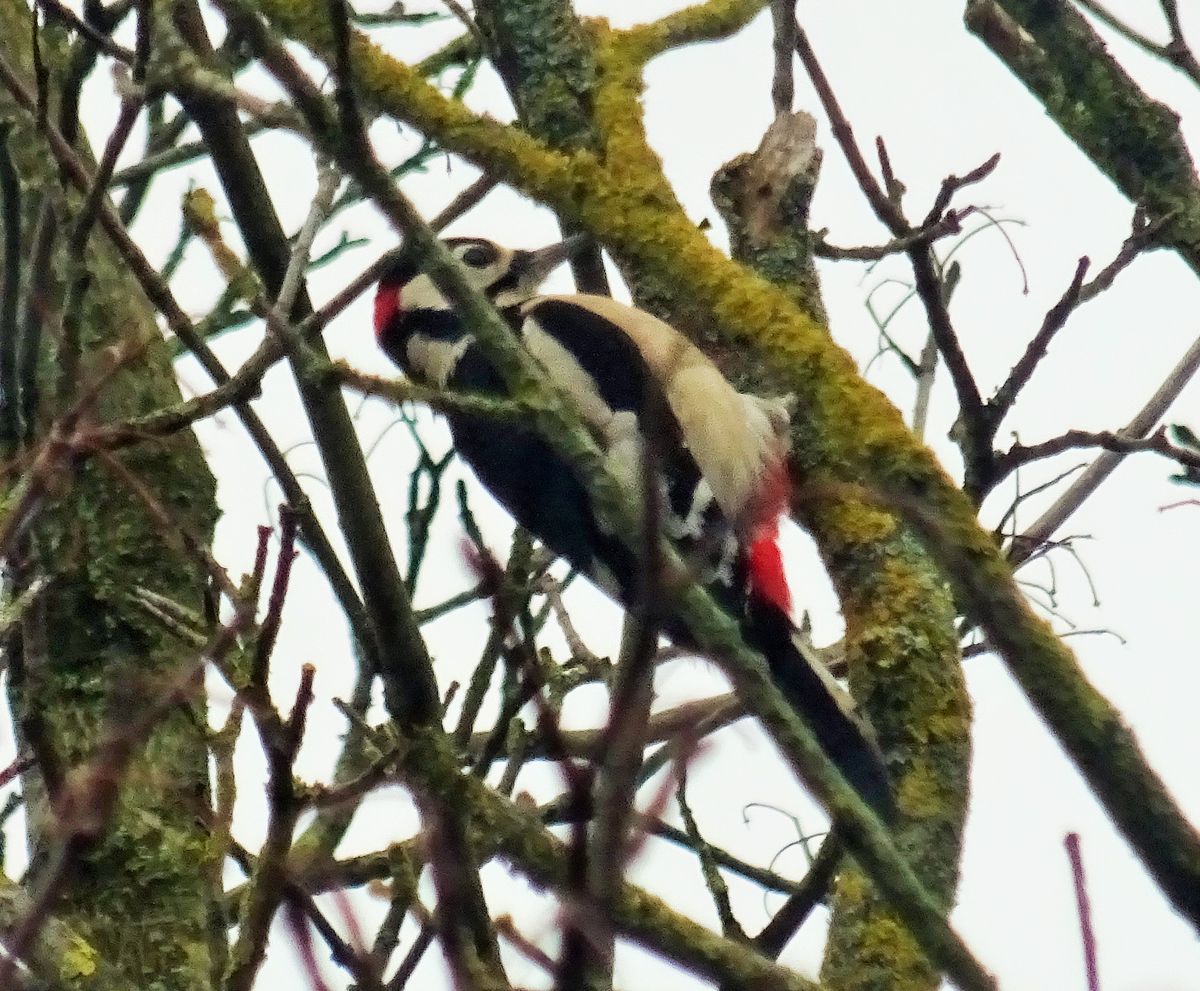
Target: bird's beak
541,263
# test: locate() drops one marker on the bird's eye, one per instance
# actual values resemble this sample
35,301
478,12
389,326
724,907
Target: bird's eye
477,256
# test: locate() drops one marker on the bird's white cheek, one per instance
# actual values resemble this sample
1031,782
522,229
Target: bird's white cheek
421,294
434,360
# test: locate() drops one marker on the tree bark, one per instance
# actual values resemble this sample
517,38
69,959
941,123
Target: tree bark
142,900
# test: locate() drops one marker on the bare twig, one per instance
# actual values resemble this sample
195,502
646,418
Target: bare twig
1056,317
1083,904
356,963
64,15
1156,406
529,950
1078,292
1143,236
269,629
886,202
716,885
268,885
1175,52
464,17
328,181
948,224
791,916
416,951
464,201
1120,443
783,83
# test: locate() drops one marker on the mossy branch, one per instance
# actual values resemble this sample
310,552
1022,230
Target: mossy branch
701,22
901,645
60,956
1133,139
518,836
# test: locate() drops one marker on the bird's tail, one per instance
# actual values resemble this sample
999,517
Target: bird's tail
820,701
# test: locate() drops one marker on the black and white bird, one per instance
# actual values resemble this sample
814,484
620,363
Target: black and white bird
720,455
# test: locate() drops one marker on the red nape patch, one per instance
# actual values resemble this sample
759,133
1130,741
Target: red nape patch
387,305
767,578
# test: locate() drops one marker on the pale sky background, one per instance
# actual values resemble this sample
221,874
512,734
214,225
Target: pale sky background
911,73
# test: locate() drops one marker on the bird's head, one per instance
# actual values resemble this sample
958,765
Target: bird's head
507,276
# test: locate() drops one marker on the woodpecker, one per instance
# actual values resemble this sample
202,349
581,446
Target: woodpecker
638,385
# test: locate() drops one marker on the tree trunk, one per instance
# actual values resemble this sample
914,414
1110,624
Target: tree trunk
89,663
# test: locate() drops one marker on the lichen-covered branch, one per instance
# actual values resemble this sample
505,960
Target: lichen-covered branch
709,21
1134,140
546,61
900,644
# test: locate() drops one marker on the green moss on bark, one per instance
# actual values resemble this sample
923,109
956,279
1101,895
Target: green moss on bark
1133,139
900,642
141,902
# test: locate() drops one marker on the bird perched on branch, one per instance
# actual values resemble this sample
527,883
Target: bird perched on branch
645,392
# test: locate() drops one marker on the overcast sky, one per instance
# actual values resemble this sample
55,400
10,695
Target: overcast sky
911,73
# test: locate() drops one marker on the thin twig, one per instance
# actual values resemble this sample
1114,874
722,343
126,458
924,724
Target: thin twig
64,15
785,923
1044,528
268,885
783,83
269,630
416,952
1119,443
948,224
1055,319
328,181
928,283
1083,904
464,201
717,888
1175,52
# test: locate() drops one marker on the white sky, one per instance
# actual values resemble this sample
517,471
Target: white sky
911,73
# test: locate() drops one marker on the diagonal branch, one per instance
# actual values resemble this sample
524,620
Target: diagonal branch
1135,141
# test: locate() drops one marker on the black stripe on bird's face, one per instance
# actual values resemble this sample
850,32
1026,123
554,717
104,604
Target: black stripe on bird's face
409,306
